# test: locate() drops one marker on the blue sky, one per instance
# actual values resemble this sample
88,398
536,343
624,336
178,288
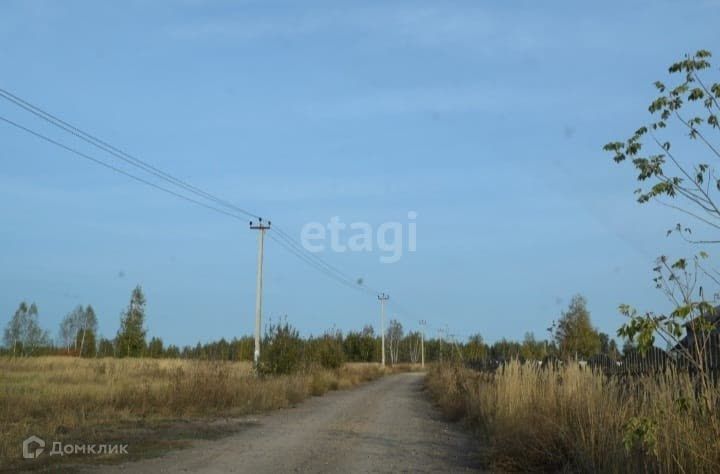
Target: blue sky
485,118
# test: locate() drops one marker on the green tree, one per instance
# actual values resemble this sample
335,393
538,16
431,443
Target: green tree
326,350
531,348
505,349
85,342
367,344
692,106
23,334
69,327
172,352
242,349
608,346
282,350
685,179
476,349
79,321
155,348
130,339
574,332
88,327
105,348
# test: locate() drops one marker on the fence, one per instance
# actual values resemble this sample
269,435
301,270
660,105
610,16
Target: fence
633,362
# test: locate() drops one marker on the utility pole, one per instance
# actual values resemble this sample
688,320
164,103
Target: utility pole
422,343
258,288
383,298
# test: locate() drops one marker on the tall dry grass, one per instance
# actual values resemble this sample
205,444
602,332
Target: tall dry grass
575,420
60,397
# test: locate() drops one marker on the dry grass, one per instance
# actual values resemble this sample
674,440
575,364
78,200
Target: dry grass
577,421
59,397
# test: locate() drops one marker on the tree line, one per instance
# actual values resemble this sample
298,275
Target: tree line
572,335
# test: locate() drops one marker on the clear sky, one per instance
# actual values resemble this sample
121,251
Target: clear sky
487,119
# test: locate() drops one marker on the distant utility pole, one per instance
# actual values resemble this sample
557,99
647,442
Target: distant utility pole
422,343
258,288
383,298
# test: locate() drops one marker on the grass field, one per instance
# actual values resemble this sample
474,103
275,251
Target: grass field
575,420
63,398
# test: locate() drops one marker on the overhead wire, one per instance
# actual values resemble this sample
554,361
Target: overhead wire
117,152
137,162
114,168
277,234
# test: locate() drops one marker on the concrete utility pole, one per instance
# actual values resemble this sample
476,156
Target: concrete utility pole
258,288
383,298
422,343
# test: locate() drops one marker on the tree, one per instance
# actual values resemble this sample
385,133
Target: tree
532,349
105,348
23,333
476,349
75,326
130,339
88,327
692,106
68,329
14,329
242,349
173,352
505,350
574,332
329,350
281,351
608,346
413,347
394,335
686,180
155,348
85,341
367,344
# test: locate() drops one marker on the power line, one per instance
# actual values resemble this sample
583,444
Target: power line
116,169
286,243
128,158
117,152
355,282
281,237
312,263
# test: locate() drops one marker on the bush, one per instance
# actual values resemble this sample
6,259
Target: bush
327,351
282,350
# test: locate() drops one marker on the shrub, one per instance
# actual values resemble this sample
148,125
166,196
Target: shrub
327,351
282,350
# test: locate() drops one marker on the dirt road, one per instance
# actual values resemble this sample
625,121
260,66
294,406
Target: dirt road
384,426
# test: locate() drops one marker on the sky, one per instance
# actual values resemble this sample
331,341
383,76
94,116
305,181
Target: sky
486,119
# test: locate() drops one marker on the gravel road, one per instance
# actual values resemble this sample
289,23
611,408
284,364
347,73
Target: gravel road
388,425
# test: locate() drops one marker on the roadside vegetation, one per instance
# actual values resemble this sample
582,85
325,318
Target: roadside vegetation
578,420
569,418
66,399
75,395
